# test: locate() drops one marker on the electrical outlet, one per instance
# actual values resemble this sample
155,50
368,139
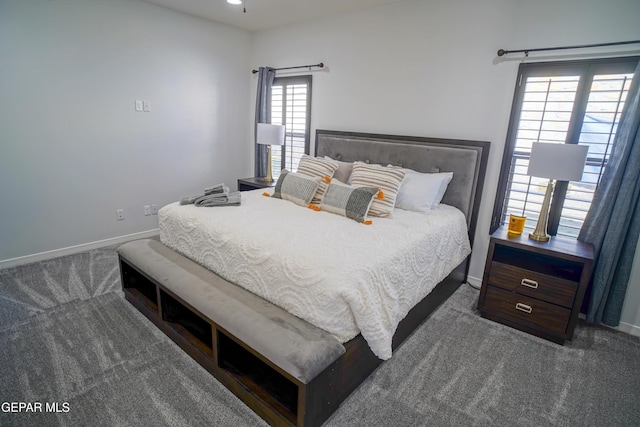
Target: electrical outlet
138,105
120,214
146,106
147,210
154,209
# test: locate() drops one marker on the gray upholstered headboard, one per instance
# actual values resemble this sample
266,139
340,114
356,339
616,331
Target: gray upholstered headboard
466,159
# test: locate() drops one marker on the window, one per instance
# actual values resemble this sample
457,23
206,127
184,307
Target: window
291,106
576,102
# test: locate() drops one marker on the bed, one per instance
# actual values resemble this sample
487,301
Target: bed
319,347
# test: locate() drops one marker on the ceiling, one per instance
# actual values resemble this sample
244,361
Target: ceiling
264,14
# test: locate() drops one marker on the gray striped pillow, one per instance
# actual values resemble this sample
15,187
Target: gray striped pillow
295,187
346,200
317,166
387,179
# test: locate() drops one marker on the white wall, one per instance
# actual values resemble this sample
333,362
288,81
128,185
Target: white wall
72,147
430,68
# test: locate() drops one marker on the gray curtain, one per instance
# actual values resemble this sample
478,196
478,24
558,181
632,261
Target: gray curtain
613,222
263,115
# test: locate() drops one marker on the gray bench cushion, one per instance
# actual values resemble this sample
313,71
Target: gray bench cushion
295,346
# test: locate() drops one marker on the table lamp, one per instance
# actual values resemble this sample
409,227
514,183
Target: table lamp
562,162
269,135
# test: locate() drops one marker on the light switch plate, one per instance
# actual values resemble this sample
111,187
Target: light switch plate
146,106
138,105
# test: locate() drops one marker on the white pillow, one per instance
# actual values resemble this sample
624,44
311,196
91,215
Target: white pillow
421,192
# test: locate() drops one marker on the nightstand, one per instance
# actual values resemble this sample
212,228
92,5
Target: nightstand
246,184
533,286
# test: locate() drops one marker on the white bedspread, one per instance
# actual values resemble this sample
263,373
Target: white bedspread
342,276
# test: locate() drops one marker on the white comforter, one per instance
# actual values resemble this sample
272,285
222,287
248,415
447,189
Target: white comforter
342,276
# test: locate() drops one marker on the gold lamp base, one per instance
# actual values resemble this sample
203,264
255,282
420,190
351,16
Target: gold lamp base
540,233
539,237
269,177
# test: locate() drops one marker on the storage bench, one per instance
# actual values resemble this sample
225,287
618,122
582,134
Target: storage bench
279,365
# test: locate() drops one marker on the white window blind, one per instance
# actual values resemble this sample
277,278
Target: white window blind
561,104
600,122
291,106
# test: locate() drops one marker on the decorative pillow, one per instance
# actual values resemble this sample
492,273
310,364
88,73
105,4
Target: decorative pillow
445,178
421,192
387,179
347,200
296,187
317,166
343,173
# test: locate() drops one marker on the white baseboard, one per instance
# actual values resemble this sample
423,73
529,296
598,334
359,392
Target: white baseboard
474,282
629,329
12,262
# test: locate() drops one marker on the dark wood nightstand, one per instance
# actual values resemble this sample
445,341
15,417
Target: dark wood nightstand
246,184
533,286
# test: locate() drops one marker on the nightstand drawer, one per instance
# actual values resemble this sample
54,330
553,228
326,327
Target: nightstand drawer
526,311
537,285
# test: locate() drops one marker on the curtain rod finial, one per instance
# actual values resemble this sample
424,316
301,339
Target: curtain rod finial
501,52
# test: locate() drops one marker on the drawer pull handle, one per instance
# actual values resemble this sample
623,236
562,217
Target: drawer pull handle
523,307
529,283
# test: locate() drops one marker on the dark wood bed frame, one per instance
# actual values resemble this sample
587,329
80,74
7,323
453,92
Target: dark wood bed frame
273,394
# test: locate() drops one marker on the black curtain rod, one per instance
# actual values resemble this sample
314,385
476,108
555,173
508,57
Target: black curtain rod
320,65
502,52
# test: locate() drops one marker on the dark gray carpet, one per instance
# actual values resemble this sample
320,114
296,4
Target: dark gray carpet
68,336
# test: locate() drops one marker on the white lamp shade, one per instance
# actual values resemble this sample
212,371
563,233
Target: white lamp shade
268,134
562,162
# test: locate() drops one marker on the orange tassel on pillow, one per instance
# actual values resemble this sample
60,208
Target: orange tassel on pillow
314,207
368,222
380,195
327,179
266,194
